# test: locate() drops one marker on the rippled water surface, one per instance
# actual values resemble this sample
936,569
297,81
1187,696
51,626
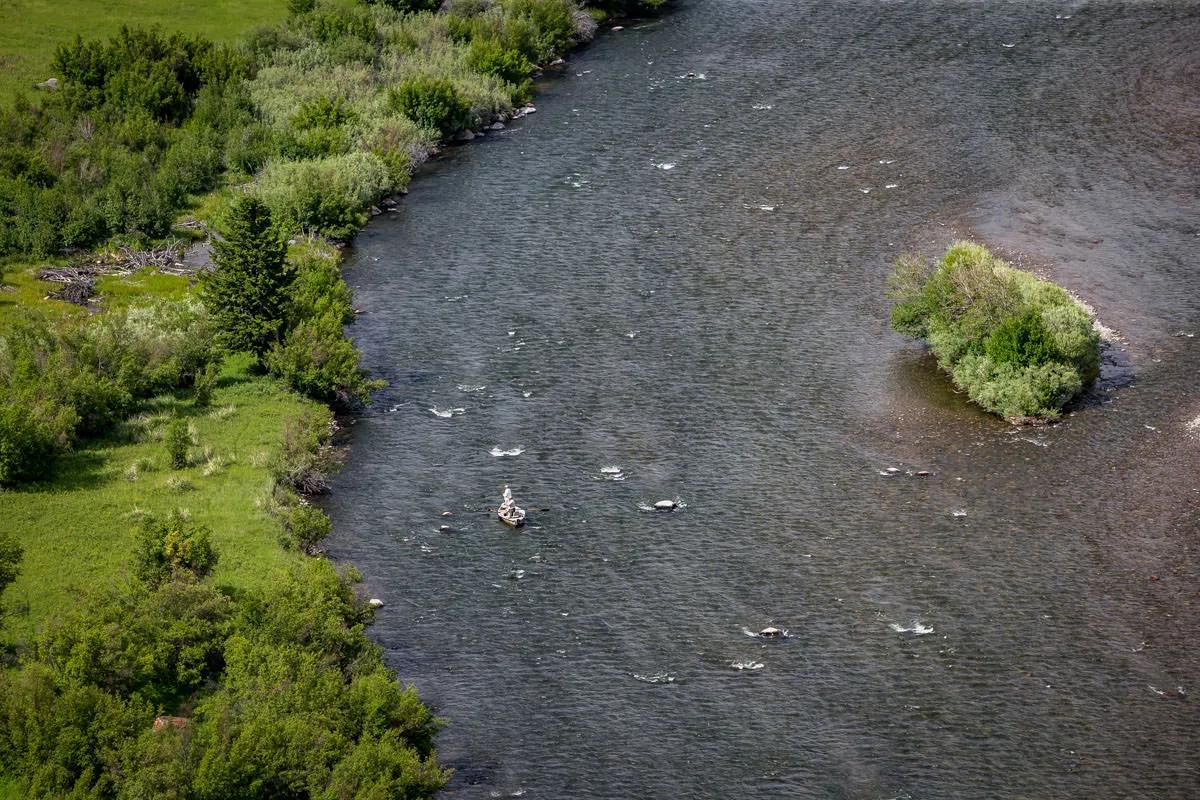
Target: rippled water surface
1015,624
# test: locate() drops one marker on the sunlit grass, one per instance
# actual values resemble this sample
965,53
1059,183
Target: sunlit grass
31,29
77,530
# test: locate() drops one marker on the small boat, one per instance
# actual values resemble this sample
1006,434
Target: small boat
509,512
514,517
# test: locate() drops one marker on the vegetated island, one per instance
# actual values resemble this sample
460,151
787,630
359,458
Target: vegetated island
165,632
1019,346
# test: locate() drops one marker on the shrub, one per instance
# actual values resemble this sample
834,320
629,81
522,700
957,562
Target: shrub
307,526
206,383
319,288
328,22
318,360
1020,346
410,6
190,165
285,696
490,57
171,547
540,29
177,441
433,103
27,445
307,458
326,195
10,563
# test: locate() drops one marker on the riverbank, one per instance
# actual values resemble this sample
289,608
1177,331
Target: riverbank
99,463
237,479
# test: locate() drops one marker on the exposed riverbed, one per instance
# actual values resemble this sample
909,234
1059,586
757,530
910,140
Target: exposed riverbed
1013,625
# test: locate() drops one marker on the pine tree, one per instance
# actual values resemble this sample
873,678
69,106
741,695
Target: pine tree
248,292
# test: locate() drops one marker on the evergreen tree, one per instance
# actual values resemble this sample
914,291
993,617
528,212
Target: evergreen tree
248,292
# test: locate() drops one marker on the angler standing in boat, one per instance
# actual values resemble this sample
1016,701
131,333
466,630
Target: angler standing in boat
509,512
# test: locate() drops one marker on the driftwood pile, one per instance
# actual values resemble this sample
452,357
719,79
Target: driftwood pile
79,277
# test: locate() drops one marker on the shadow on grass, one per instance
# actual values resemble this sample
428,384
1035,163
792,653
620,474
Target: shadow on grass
74,471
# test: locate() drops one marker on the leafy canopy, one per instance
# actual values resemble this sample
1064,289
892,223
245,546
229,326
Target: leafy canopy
1020,346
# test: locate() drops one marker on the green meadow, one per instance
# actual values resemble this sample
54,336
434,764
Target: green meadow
31,29
77,529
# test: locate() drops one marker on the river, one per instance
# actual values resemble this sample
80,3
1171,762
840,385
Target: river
682,277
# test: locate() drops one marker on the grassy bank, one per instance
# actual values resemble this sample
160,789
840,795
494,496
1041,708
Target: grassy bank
31,29
78,529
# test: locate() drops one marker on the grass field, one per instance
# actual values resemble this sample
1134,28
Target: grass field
31,29
77,531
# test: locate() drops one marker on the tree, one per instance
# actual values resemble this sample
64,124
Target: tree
248,292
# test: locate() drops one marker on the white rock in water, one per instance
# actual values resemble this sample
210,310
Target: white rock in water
770,633
666,505
375,602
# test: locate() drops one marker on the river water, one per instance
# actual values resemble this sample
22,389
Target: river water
1019,623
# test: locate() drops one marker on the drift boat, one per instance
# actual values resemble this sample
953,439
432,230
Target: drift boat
509,512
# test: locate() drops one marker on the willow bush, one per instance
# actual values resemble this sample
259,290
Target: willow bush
1020,346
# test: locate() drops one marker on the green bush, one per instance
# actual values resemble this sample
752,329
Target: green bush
328,195
319,289
488,56
10,563
177,441
307,457
410,6
1020,346
205,385
27,445
172,547
307,526
328,21
318,360
540,29
433,103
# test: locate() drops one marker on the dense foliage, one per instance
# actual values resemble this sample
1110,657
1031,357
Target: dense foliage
271,694
1020,346
144,121
137,124
76,378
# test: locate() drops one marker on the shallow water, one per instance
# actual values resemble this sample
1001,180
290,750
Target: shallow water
1000,628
